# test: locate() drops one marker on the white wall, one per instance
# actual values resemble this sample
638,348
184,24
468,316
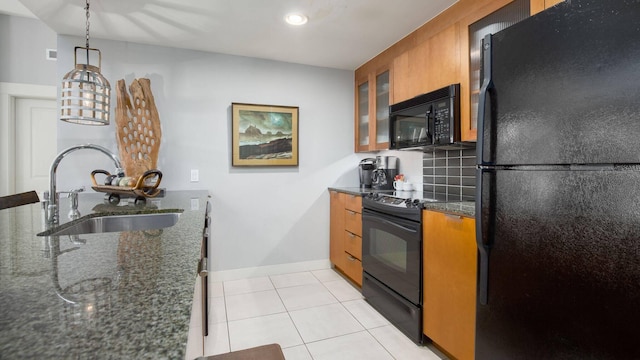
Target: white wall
23,45
261,216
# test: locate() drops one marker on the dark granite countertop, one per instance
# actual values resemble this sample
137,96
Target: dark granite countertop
121,295
462,208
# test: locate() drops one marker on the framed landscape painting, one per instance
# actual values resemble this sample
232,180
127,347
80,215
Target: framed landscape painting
264,135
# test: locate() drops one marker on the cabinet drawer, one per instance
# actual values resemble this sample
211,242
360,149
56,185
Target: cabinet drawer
353,203
353,244
353,269
353,222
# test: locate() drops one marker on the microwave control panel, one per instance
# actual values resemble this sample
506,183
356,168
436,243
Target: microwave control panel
442,123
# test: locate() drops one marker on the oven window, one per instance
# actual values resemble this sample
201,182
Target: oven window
388,249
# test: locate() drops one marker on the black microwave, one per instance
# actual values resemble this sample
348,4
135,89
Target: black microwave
427,120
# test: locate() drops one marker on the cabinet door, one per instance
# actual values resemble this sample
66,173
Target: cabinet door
449,288
353,268
536,6
410,73
353,202
428,66
362,115
443,58
491,18
353,222
550,3
373,96
382,99
353,245
336,230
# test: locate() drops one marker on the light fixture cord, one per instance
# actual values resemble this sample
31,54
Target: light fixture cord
87,33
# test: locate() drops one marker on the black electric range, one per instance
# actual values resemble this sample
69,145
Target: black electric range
404,204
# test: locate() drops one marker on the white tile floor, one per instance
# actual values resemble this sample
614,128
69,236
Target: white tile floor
312,315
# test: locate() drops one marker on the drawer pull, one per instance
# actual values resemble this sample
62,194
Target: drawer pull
453,217
351,212
351,235
351,258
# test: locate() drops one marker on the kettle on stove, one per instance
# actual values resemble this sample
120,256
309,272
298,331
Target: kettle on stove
386,170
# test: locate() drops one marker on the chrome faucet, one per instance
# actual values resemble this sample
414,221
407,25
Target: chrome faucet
53,216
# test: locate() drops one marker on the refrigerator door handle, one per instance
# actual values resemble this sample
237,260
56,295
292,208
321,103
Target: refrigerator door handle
487,86
483,244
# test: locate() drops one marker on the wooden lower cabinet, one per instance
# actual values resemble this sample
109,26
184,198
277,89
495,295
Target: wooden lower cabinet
336,229
353,244
353,268
345,234
449,288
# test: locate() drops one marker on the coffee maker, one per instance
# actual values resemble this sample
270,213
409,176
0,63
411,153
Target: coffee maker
385,172
366,168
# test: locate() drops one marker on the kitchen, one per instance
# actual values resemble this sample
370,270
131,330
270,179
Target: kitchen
325,98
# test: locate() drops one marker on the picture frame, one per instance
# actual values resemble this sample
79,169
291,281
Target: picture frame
264,135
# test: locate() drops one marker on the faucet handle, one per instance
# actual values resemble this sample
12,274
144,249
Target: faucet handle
73,198
72,192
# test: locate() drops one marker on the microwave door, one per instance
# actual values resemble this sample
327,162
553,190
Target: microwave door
430,115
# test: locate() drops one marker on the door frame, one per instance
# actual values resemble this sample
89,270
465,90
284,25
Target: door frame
9,92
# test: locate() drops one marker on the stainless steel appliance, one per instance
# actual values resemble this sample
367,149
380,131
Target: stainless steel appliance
383,175
365,170
558,194
431,119
392,260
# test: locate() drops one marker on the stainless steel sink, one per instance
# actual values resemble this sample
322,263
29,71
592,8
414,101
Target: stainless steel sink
113,223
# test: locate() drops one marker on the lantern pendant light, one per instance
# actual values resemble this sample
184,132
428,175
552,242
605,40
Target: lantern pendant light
86,94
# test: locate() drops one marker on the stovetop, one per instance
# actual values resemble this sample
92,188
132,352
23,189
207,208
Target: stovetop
400,199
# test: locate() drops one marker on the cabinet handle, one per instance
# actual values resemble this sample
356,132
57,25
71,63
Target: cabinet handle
453,217
351,258
351,212
351,235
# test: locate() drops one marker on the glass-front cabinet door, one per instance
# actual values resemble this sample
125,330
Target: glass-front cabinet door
382,110
373,97
363,116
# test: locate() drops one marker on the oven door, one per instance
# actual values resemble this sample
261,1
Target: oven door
392,252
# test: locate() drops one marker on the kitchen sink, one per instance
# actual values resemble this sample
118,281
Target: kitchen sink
115,223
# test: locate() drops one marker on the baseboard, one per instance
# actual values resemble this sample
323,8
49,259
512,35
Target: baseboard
245,273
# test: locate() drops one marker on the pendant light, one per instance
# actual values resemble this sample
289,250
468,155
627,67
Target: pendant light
85,93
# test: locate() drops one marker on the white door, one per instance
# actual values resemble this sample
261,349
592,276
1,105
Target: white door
35,143
35,140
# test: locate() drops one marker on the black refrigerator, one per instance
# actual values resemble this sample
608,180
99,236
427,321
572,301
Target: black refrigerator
558,186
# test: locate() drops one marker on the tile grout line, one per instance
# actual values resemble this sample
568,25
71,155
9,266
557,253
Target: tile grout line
291,319
226,316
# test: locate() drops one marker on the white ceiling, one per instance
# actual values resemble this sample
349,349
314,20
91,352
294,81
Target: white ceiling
342,34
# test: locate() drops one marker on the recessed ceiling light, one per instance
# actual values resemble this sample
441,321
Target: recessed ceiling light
296,19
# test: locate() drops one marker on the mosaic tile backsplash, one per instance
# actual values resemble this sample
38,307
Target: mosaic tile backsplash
449,174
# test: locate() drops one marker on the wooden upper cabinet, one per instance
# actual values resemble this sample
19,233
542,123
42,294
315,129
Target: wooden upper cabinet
410,73
443,64
373,97
540,5
435,55
430,65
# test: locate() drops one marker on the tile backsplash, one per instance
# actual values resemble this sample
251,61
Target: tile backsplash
449,174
